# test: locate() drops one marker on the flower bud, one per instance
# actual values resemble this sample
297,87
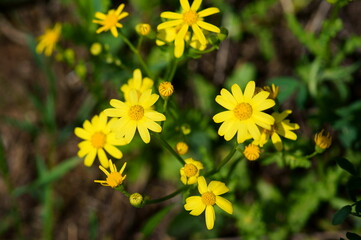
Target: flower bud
166,89
181,148
322,141
136,200
143,29
252,152
96,49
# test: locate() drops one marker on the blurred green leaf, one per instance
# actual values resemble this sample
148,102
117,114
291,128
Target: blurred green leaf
341,215
353,236
242,75
288,87
153,221
346,165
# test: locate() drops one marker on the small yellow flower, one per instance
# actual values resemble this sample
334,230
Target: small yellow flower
181,148
48,41
114,178
251,152
110,21
323,141
189,18
97,138
135,114
96,48
244,113
209,197
143,29
282,126
165,89
190,171
137,83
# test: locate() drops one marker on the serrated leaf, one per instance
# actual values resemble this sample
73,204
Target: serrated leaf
341,215
346,165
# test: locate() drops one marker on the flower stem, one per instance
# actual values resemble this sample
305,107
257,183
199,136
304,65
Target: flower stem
173,69
169,196
166,145
312,155
136,52
121,189
224,162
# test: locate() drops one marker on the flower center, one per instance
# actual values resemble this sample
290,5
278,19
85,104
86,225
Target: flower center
98,140
243,111
209,198
190,17
136,112
111,19
114,179
190,170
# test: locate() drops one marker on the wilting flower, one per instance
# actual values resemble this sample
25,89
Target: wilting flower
135,114
48,41
244,112
189,18
190,171
210,195
114,178
137,83
110,21
98,137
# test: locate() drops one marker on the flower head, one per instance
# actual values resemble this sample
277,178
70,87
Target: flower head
98,137
210,195
189,18
48,41
137,83
251,152
181,148
165,89
143,29
135,114
114,178
190,171
323,140
282,126
110,21
244,112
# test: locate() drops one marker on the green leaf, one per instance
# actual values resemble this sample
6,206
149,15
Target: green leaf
346,165
153,222
288,86
341,215
353,185
242,75
353,236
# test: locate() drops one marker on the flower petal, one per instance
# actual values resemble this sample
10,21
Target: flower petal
144,133
196,4
208,11
277,142
223,116
113,151
103,158
169,24
185,5
89,159
199,34
217,187
171,15
249,91
224,204
208,27
202,185
80,132
210,217
195,205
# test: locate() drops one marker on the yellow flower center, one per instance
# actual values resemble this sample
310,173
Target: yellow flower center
190,170
111,19
52,37
190,17
243,111
209,198
114,179
98,140
136,112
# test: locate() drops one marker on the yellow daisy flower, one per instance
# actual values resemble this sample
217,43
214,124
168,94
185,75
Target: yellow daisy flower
282,126
209,197
190,171
97,138
189,18
114,178
136,113
244,114
48,41
136,83
110,21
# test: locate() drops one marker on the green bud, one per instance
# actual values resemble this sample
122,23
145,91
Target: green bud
136,200
96,49
223,34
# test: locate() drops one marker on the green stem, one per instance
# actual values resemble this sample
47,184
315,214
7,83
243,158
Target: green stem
170,149
312,155
169,196
172,70
121,189
165,104
136,52
224,162
232,168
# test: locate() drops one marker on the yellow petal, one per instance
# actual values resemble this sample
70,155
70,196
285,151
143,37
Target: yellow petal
277,142
155,127
208,11
79,132
171,15
210,217
196,4
202,185
169,24
195,205
224,204
185,5
102,158
113,151
223,116
253,129
199,34
249,91
217,187
144,133
89,159
208,27
155,116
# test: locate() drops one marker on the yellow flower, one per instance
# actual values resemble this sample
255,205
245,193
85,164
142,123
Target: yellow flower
143,29
110,21
48,40
137,83
136,113
282,126
96,48
97,138
189,18
165,89
251,152
273,91
209,197
114,178
323,141
244,114
190,171
181,148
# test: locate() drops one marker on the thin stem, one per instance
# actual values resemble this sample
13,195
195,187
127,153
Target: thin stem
224,162
172,70
136,52
312,155
122,190
169,196
169,148
232,168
